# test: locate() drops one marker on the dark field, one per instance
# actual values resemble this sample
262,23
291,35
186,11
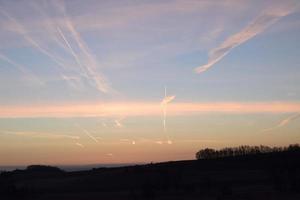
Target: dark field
264,176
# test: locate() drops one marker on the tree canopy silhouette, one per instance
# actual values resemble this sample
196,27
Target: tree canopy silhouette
208,153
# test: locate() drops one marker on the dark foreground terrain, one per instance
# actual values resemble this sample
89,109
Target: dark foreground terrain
262,176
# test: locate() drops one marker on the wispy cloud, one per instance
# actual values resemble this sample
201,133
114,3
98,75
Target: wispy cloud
267,18
282,123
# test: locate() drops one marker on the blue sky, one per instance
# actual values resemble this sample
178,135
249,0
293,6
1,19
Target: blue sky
114,55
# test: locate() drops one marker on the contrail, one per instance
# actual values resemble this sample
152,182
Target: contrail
91,65
90,135
88,61
20,68
282,123
87,133
48,24
104,124
164,103
259,25
22,31
133,142
79,144
71,50
118,122
41,135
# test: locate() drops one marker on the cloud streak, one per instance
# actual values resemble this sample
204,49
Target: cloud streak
87,133
283,123
85,60
267,18
79,144
22,69
20,29
41,135
115,109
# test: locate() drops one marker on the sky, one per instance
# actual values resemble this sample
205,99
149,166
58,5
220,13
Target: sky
86,82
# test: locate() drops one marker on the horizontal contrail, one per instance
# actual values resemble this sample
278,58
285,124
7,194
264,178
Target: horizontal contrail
114,109
256,27
283,123
41,135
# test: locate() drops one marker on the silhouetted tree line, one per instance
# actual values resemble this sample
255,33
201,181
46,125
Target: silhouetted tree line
208,153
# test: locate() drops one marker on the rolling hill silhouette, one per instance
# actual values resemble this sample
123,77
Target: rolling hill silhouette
268,175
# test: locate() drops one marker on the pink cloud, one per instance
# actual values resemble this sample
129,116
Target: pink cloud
144,109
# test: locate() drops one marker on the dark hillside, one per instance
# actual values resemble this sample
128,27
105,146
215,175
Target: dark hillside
273,175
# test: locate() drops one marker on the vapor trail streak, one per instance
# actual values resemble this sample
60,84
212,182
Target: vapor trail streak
91,63
20,68
41,135
283,123
71,50
164,102
90,135
79,144
23,32
259,25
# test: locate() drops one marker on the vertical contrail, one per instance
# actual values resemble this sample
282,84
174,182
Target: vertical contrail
165,110
164,102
